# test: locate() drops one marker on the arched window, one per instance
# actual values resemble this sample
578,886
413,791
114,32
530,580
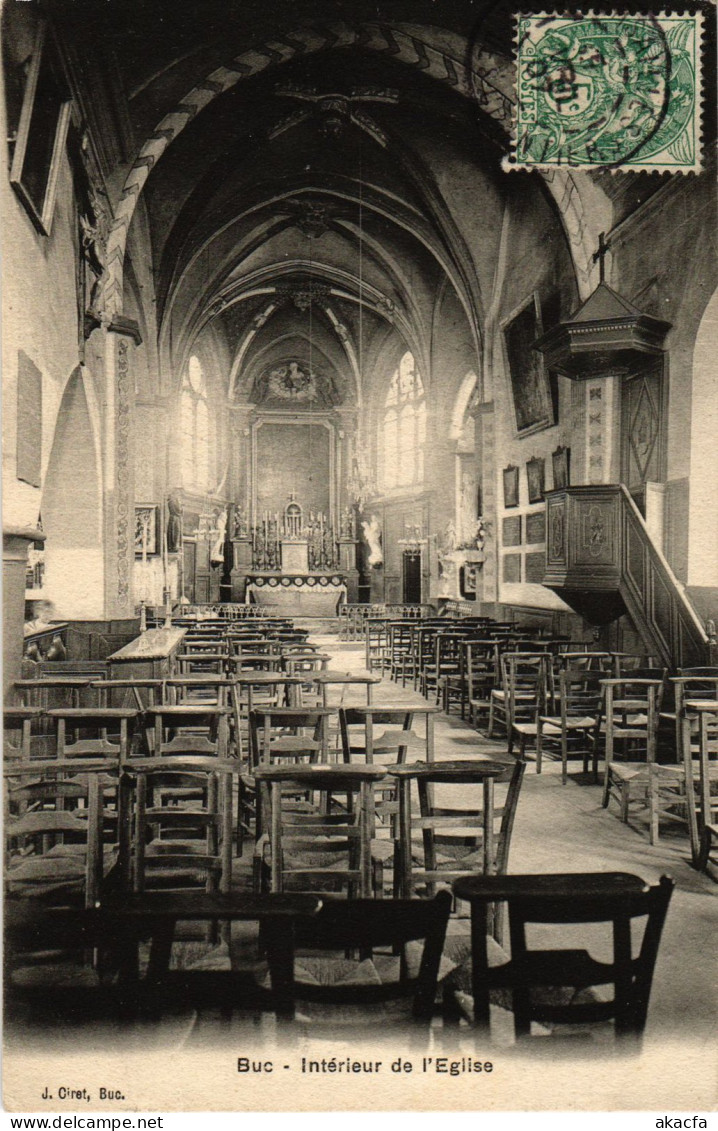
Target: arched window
404,426
194,427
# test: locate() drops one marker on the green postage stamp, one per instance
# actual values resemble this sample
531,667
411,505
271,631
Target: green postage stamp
608,91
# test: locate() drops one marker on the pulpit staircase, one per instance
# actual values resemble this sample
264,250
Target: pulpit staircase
602,561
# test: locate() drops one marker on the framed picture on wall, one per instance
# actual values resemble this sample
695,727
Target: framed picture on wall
511,486
561,461
530,389
41,133
535,478
146,522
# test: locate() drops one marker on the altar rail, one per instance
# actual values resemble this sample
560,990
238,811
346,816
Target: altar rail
225,610
352,617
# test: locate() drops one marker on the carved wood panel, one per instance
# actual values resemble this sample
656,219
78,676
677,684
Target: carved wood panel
596,537
556,546
642,430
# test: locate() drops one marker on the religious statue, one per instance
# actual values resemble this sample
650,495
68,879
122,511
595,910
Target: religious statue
216,556
174,523
241,526
449,544
347,525
371,529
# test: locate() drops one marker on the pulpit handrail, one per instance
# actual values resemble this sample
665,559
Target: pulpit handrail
662,563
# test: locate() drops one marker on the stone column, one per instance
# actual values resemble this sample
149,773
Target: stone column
121,338
241,440
15,545
595,429
488,587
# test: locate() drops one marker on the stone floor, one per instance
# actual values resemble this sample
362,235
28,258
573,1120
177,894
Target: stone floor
565,828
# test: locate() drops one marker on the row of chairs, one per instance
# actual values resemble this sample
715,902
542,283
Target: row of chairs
615,989
300,802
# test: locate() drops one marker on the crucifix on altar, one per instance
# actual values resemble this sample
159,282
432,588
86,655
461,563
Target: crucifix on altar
294,542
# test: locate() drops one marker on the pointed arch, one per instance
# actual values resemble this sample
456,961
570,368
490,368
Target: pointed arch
411,47
72,505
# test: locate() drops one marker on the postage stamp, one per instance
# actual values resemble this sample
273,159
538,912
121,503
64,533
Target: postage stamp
613,91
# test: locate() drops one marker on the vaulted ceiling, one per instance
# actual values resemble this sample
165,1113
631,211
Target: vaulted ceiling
307,202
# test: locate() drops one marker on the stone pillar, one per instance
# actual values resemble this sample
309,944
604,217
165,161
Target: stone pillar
601,428
488,587
15,544
241,441
121,338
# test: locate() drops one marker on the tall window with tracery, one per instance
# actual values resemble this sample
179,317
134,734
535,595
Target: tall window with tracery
404,426
194,427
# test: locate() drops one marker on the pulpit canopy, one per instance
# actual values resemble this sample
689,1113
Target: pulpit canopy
607,335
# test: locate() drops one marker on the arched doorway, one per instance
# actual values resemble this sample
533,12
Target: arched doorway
72,508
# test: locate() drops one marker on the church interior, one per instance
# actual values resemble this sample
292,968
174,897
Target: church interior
338,455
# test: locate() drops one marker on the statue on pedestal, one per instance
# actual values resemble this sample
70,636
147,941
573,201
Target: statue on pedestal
240,527
174,523
371,528
347,524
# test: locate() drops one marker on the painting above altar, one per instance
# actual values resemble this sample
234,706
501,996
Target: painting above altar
295,383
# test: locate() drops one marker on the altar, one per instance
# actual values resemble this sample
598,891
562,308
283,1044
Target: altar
299,595
297,561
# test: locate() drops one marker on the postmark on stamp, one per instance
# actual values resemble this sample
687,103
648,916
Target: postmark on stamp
608,91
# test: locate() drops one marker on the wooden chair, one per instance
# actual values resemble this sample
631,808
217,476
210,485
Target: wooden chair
386,734
522,693
615,899
253,662
292,733
321,843
376,644
446,670
178,822
474,837
56,829
92,728
483,675
401,648
575,728
252,690
454,686
141,693
306,665
696,683
367,925
687,793
184,728
17,731
326,679
122,923
425,636
630,713
401,736
202,663
208,690
445,663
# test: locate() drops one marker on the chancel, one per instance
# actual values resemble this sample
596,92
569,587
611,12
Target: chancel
358,498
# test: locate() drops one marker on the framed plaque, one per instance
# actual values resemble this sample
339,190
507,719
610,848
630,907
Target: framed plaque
535,476
511,486
561,460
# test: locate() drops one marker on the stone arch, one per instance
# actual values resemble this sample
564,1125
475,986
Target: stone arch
72,506
702,545
467,388
407,47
